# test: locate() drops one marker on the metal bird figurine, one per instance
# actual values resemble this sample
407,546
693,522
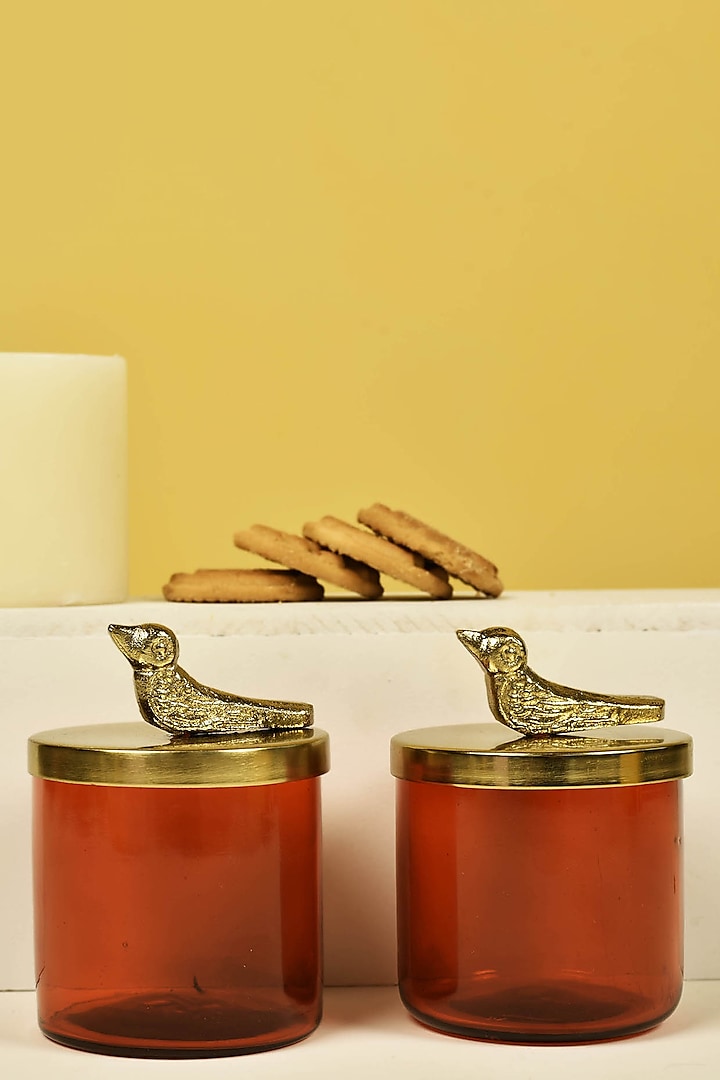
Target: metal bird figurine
526,702
171,699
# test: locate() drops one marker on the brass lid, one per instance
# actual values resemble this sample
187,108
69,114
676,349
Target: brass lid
137,755
492,756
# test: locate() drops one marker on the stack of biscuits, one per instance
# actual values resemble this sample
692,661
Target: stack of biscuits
387,542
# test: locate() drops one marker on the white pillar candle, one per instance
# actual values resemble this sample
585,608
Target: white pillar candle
63,479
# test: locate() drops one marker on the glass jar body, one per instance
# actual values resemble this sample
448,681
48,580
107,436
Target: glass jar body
177,922
539,915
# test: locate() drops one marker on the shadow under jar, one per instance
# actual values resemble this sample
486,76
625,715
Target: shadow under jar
177,890
539,881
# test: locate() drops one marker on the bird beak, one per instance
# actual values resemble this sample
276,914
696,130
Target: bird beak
122,636
475,642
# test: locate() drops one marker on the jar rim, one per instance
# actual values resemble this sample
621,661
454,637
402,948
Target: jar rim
492,756
138,755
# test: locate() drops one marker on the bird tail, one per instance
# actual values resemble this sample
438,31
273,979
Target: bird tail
640,710
287,715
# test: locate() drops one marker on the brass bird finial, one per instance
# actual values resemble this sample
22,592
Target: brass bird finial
171,699
526,702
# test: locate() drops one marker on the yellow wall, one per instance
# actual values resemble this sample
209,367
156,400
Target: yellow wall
460,256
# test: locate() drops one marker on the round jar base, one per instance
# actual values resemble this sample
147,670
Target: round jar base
181,1025
563,1011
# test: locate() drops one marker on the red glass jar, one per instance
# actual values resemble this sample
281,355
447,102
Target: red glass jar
177,889
539,881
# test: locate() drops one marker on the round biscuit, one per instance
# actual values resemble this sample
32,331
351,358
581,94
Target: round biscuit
240,586
383,555
300,553
459,561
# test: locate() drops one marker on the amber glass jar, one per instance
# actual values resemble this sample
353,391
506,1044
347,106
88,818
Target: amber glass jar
539,881
177,889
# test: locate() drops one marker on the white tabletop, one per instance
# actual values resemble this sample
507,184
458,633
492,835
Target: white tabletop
367,1033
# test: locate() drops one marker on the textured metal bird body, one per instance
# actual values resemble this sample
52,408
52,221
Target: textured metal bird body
171,699
526,702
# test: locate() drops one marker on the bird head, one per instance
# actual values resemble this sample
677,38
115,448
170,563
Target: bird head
497,649
148,645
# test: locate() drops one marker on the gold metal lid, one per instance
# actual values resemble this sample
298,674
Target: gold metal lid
492,756
137,755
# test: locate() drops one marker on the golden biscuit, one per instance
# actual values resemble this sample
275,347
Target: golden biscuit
243,587
304,555
459,561
388,558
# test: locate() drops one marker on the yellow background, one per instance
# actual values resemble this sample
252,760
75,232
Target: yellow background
459,257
